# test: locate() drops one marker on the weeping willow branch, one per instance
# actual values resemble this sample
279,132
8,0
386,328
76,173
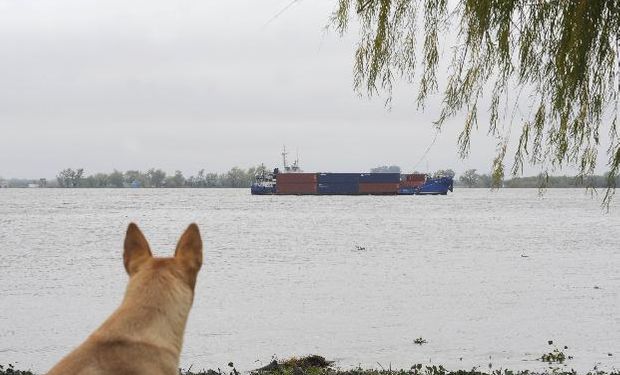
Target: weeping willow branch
562,55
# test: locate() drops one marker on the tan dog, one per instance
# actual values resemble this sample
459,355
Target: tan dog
145,334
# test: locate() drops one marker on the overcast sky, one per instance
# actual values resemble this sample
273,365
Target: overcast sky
191,84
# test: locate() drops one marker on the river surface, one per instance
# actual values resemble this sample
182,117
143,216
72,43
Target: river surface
484,277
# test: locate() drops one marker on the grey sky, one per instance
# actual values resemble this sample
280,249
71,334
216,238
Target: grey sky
197,84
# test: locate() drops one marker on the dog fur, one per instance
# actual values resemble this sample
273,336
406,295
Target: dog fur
145,334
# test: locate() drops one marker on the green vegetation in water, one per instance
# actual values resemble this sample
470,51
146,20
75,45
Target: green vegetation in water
10,370
556,355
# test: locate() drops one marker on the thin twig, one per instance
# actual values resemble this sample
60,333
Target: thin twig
293,2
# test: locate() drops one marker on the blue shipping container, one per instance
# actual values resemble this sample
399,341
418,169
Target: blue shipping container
339,178
379,178
338,188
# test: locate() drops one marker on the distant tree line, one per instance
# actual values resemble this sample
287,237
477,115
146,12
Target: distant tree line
242,178
386,169
157,178
397,169
471,179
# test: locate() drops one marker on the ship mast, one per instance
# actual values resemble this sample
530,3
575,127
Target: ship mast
284,153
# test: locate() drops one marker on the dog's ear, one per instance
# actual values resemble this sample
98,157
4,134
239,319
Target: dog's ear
189,248
137,250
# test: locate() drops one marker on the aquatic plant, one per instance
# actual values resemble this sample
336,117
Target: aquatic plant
10,370
556,356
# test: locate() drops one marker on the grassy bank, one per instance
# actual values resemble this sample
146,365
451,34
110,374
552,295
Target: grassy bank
317,365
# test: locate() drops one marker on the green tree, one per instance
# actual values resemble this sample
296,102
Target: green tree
444,173
69,178
156,177
255,171
136,178
555,63
261,168
236,178
175,181
485,181
199,180
64,177
469,178
79,174
212,180
99,180
115,179
386,169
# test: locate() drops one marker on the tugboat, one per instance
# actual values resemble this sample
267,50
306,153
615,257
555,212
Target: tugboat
293,181
265,182
429,186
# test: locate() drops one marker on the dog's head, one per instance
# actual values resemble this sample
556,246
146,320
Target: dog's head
183,266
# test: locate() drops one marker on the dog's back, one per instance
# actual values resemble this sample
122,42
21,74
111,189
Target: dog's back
145,334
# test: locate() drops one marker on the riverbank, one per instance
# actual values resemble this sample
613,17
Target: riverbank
318,365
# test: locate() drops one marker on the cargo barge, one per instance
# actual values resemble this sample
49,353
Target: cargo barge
292,181
298,183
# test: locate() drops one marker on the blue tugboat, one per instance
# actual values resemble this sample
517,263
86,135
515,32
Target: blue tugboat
431,186
263,187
